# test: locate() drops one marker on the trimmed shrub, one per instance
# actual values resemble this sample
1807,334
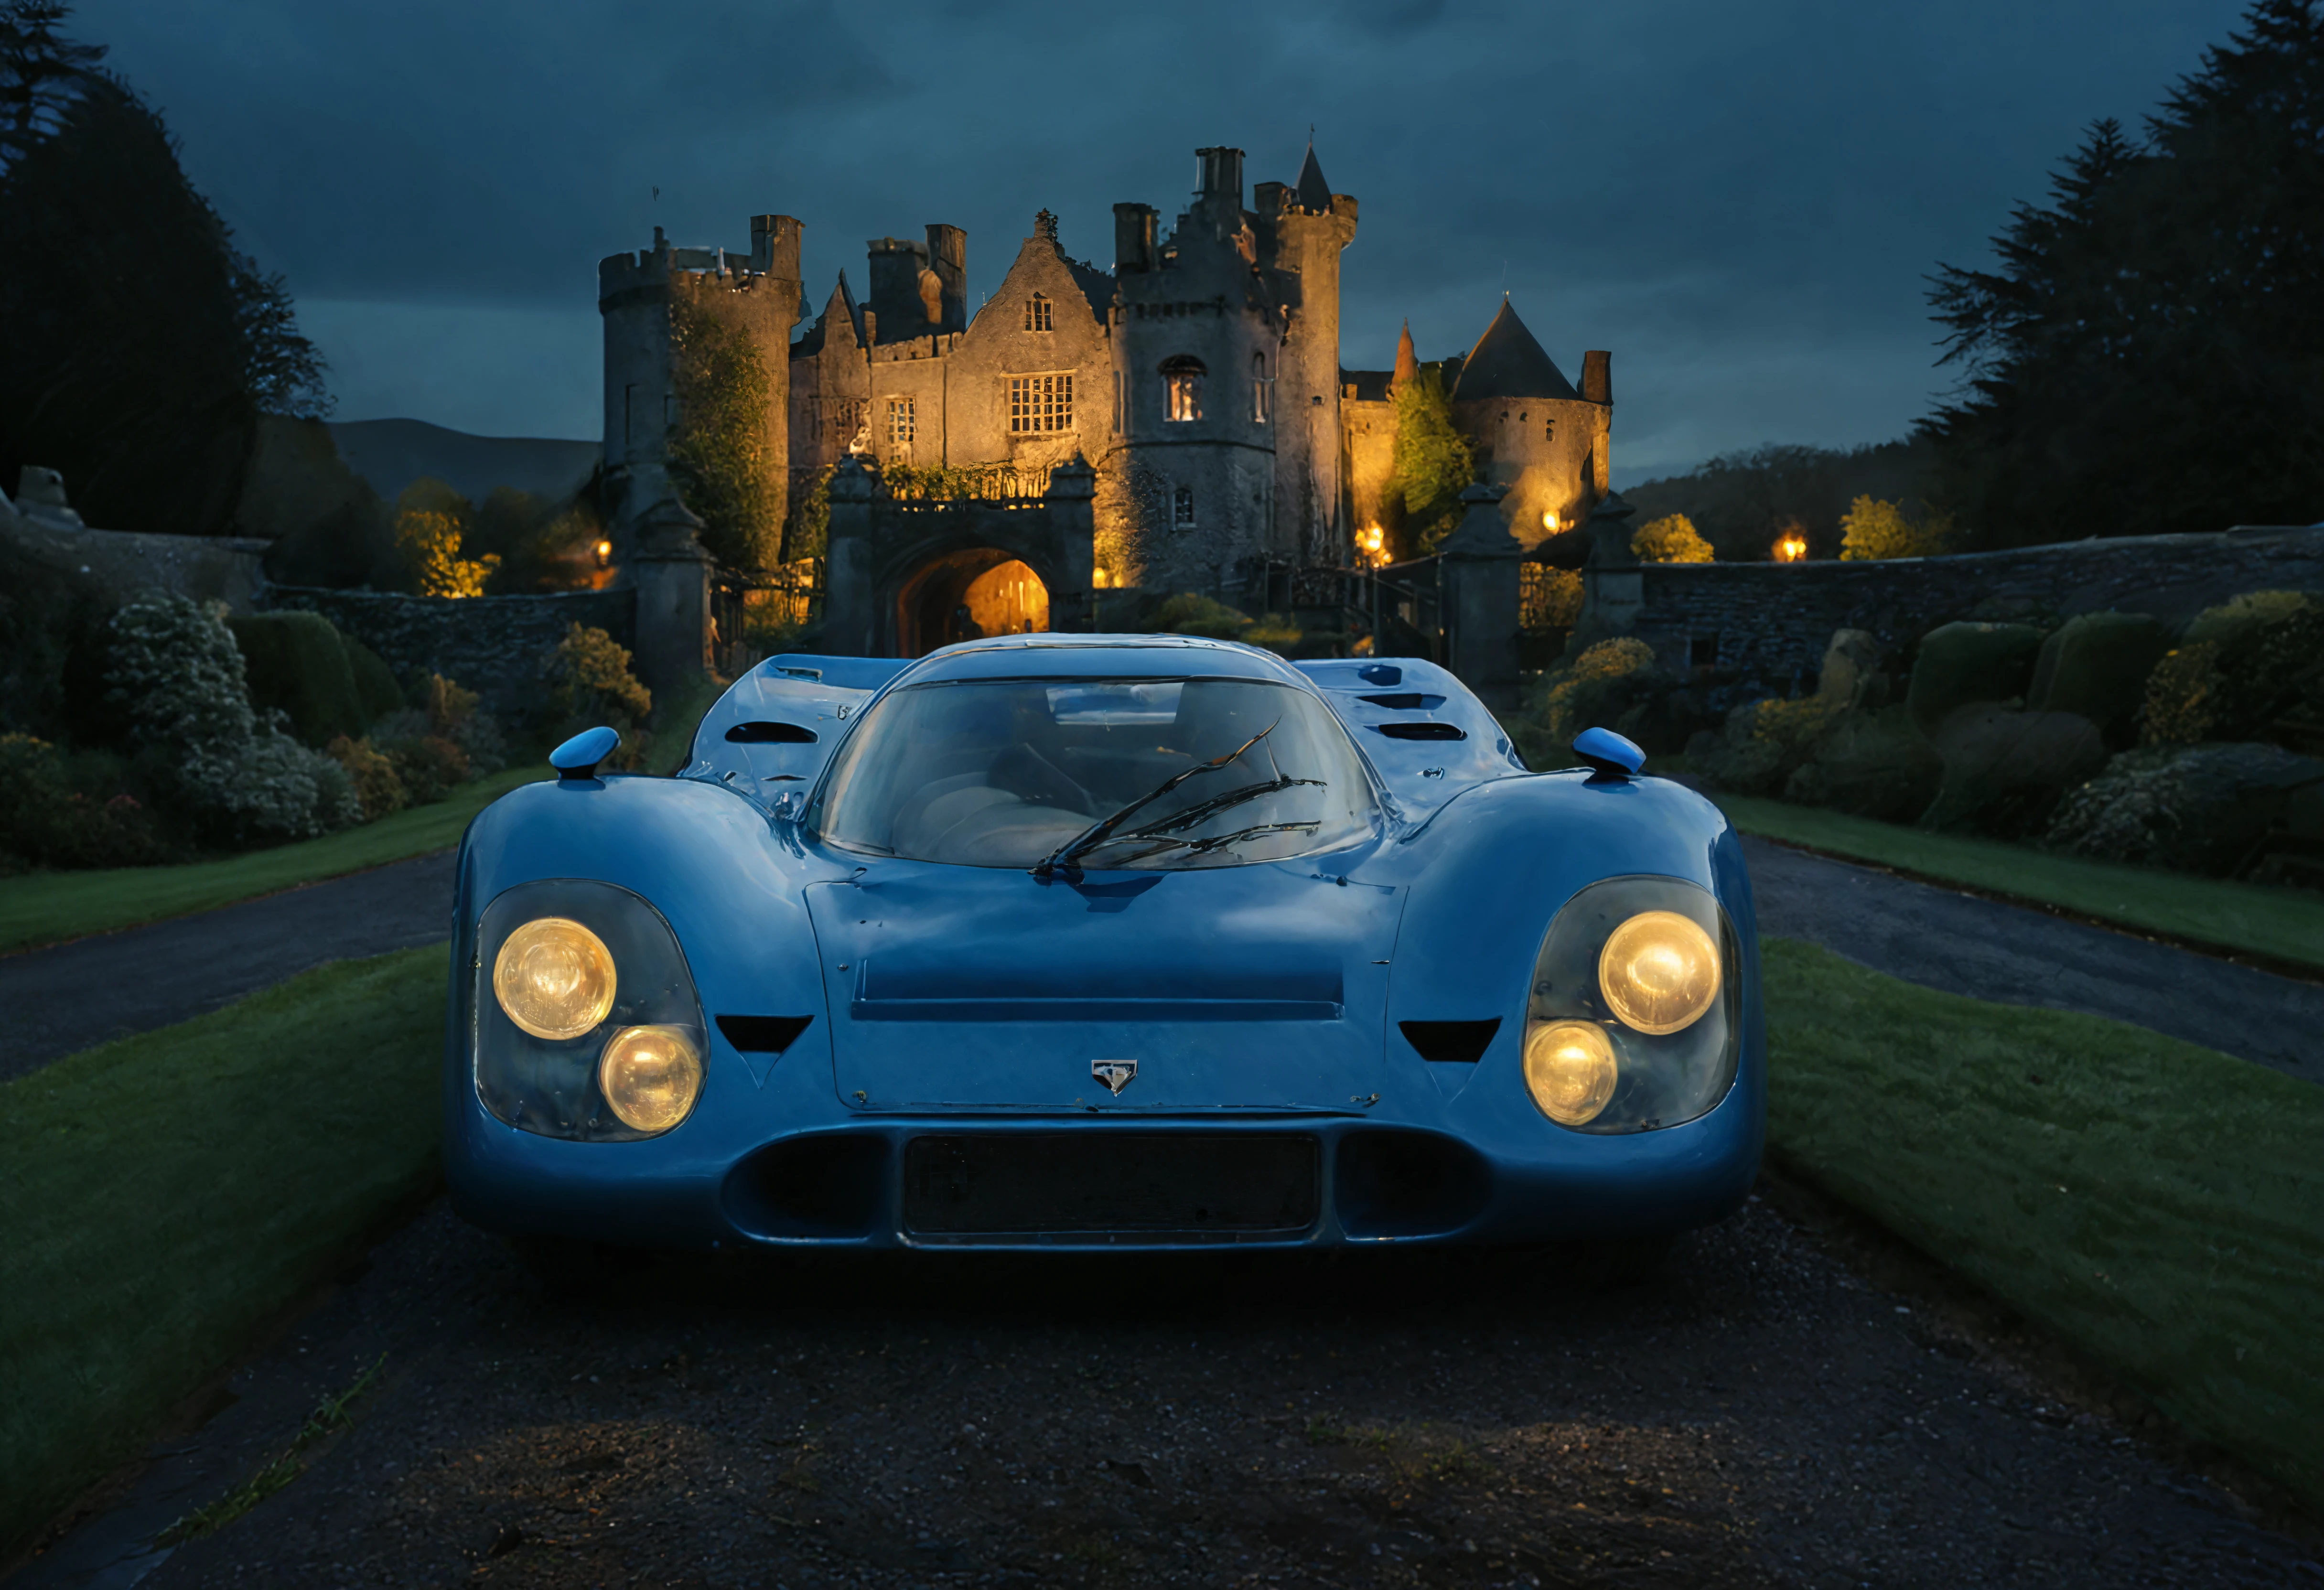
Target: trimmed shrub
2248,669
378,786
590,683
1960,664
297,665
174,673
1596,689
2096,665
452,714
2005,771
1872,764
1192,613
2202,808
46,821
376,691
1672,538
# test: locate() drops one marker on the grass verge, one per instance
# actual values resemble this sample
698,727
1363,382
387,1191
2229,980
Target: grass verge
43,907
2281,924
2158,1203
168,1194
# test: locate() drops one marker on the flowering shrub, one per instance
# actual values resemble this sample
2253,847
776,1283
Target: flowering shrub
45,822
589,677
454,715
173,672
378,786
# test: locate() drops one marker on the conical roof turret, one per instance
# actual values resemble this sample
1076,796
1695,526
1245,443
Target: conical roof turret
1408,363
1315,193
1508,362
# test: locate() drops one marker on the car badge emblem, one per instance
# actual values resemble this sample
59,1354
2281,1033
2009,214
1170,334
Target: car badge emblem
1116,1074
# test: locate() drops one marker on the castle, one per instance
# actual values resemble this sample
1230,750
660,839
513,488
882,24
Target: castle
1199,377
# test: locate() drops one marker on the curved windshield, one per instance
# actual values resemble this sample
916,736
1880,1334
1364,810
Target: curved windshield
1144,774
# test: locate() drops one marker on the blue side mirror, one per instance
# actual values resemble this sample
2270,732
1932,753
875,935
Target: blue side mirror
1612,758
578,757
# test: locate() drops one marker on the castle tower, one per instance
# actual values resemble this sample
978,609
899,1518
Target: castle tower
1302,230
642,298
1192,498
1532,433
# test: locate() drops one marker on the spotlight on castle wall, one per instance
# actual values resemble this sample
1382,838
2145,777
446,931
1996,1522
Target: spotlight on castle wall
1372,544
1790,547
604,555
1551,522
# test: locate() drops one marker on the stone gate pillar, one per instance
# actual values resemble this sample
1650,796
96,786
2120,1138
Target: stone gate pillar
1072,528
1480,577
850,623
1612,589
669,569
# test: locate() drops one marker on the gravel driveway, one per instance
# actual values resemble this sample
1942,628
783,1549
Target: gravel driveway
1761,1415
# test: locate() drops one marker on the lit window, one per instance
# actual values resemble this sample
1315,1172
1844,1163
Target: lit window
1037,314
1040,403
1182,388
1262,389
1182,509
899,420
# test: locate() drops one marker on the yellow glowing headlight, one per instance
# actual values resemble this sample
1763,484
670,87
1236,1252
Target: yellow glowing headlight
651,1076
1569,1067
1659,971
554,978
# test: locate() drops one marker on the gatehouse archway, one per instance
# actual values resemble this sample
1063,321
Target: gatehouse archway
966,594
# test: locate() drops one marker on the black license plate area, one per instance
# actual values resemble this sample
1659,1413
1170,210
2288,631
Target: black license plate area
1154,1184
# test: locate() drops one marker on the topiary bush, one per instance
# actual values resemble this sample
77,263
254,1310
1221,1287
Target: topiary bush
2248,669
296,664
1967,664
175,676
2204,808
2005,771
1870,763
1192,613
590,683
1612,685
376,691
2096,666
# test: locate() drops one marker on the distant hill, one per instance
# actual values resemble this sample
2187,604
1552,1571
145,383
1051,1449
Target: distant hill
392,453
1741,501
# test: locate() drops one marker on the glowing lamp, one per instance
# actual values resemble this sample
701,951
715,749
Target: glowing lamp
604,555
1568,1069
1791,546
1659,973
650,1077
554,978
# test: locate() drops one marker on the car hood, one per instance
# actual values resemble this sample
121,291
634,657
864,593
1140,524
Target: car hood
1259,987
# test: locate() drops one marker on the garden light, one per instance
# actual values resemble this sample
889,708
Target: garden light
554,978
1659,971
650,1077
1569,1069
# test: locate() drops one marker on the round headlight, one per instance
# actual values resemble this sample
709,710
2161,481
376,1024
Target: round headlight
1569,1067
1659,971
651,1076
554,978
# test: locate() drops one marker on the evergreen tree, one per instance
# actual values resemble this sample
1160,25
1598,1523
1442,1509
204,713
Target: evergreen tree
2148,354
139,345
1432,463
40,71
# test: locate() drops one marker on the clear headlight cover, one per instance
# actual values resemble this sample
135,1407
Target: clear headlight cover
1634,1020
603,993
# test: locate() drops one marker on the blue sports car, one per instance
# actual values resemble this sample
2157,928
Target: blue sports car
1054,941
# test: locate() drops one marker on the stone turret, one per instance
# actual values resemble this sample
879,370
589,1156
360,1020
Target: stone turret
1531,431
1306,231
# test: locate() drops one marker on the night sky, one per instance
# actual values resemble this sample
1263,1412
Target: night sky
1740,200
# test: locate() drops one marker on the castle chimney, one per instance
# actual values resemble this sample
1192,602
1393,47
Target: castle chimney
775,247
895,296
1221,171
948,258
1133,237
1597,377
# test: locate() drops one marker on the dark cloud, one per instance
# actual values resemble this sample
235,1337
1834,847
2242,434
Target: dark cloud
1741,201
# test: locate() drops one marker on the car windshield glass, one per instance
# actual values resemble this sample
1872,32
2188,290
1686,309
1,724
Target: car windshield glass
1006,773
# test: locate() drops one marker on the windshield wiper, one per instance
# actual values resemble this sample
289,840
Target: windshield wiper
1201,812
1156,844
1097,832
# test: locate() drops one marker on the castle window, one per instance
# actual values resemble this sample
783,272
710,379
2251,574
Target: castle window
1182,509
1182,388
1040,403
1262,390
1549,429
899,421
1037,314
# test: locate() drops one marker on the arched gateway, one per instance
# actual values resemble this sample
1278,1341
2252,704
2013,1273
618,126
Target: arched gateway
906,578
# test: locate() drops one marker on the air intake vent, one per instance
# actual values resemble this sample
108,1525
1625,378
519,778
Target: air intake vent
1463,1041
763,1034
760,733
1406,701
1421,731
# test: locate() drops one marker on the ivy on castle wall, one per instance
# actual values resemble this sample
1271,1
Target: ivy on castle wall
718,451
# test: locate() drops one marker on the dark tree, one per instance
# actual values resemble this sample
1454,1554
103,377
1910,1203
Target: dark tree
2147,355
41,72
141,346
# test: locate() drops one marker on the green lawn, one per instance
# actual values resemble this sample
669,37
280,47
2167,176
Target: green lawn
167,1194
42,907
2158,1203
2285,923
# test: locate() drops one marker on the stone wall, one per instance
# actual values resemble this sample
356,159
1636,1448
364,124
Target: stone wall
494,645
209,568
1774,620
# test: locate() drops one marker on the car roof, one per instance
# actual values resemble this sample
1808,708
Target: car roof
1099,656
